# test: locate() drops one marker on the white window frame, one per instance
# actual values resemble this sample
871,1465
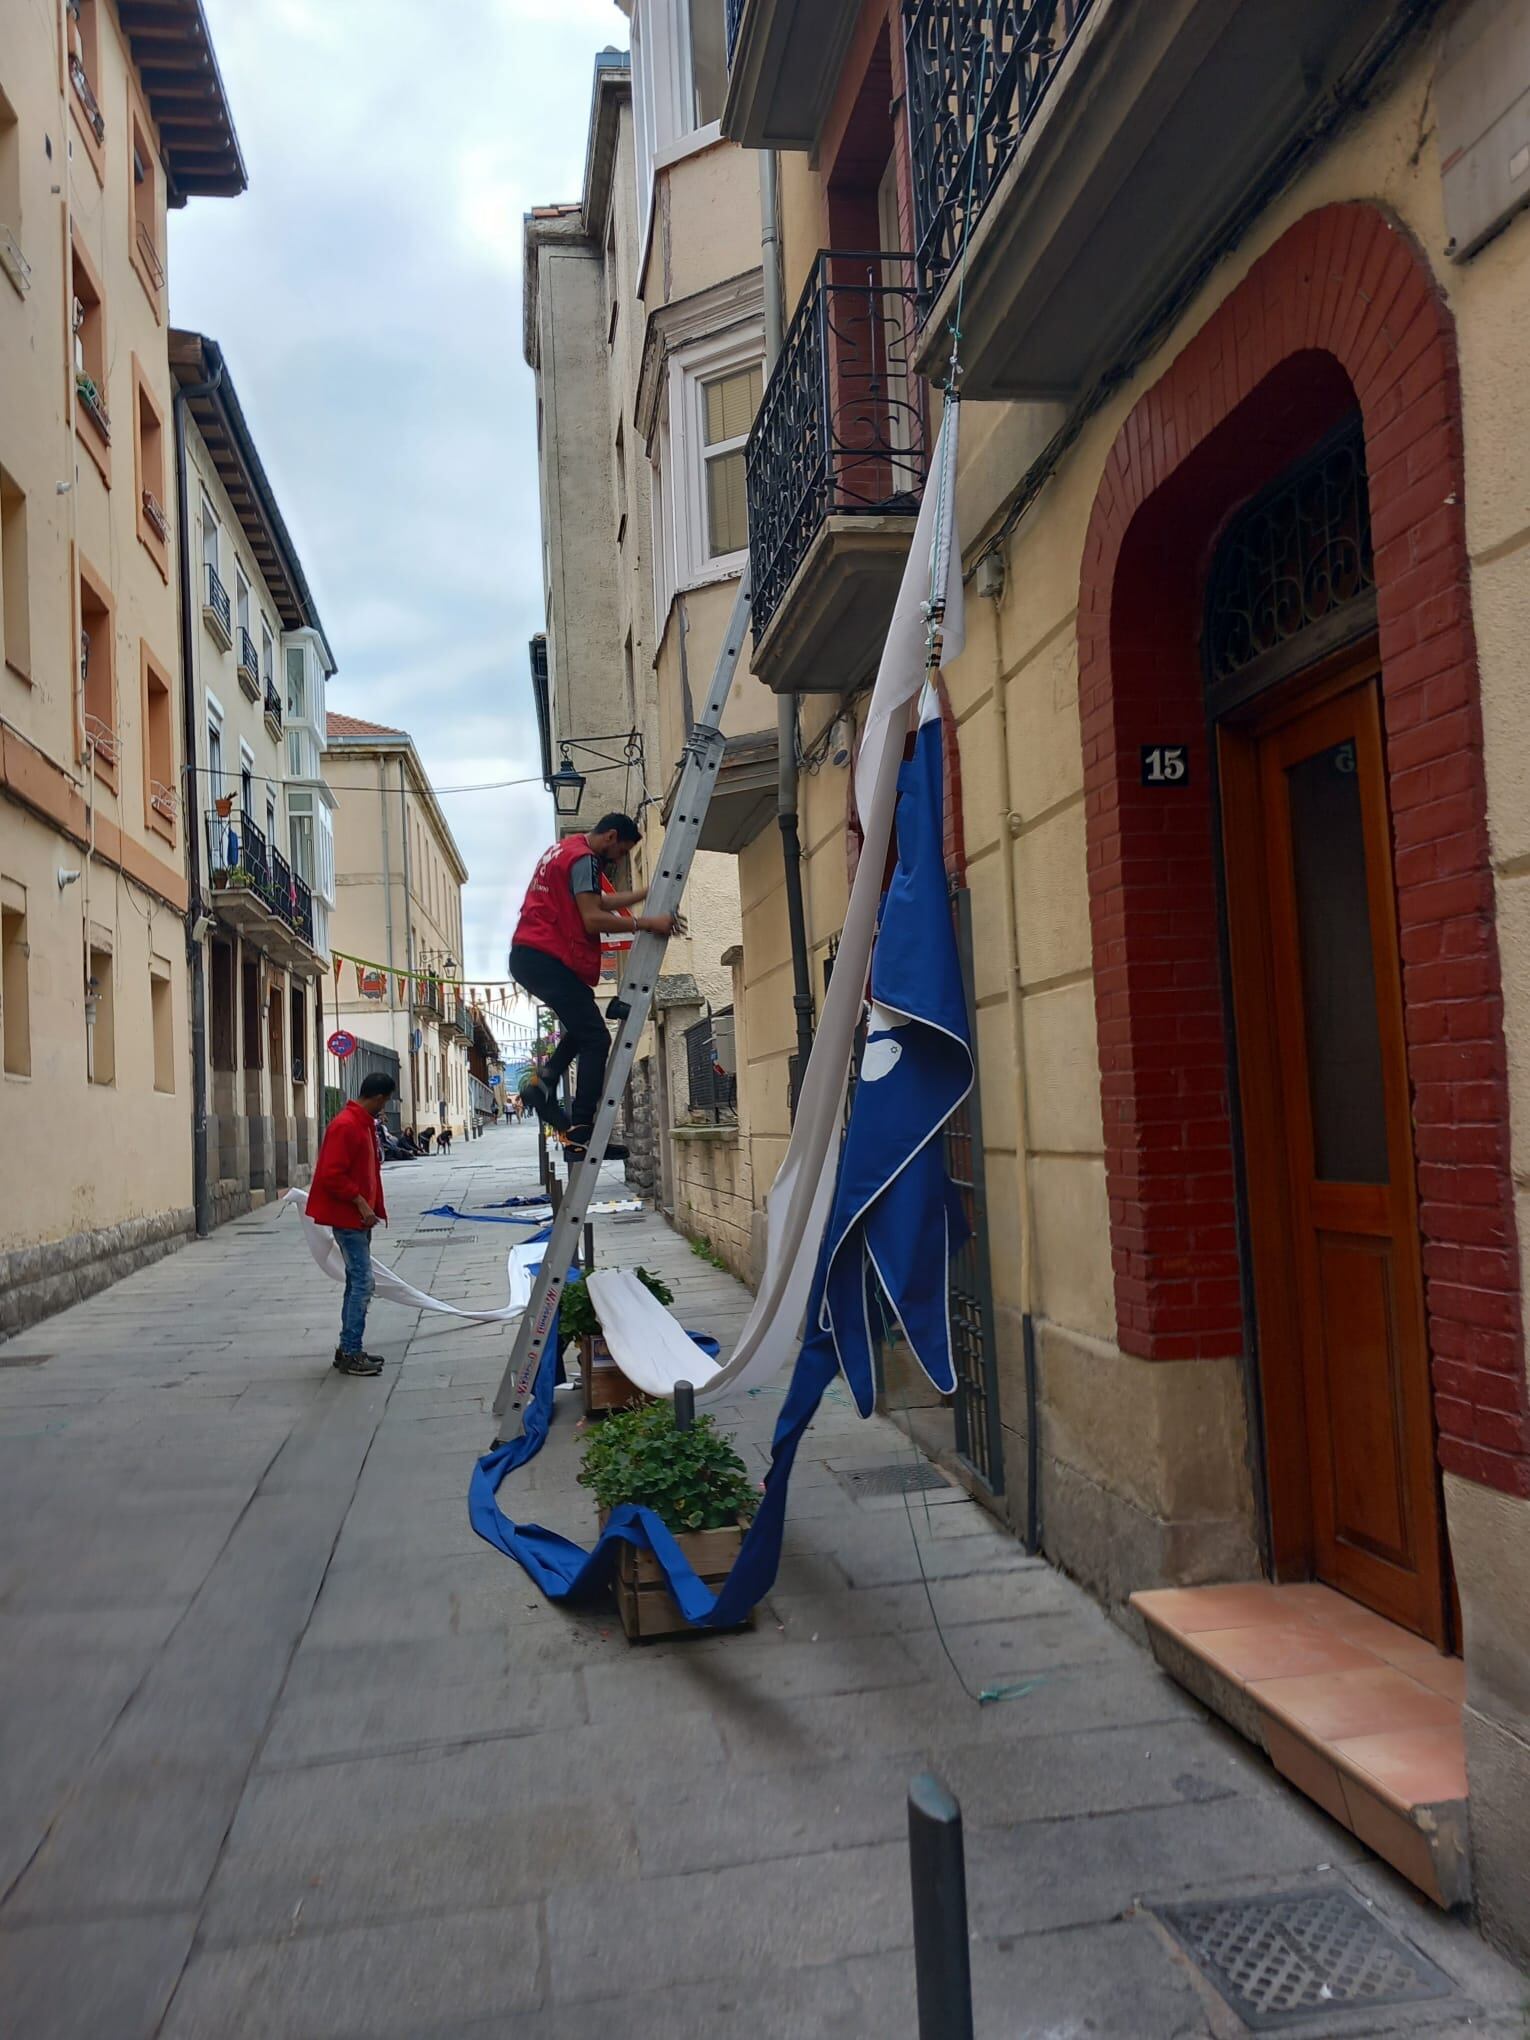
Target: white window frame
663,99
242,591
215,725
682,444
212,539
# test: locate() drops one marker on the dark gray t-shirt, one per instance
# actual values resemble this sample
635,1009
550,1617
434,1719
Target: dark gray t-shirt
584,874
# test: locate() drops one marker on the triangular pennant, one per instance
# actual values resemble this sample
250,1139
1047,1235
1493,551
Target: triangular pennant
338,961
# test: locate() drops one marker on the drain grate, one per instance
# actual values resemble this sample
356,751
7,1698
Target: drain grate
898,1477
1282,1959
433,1235
23,1359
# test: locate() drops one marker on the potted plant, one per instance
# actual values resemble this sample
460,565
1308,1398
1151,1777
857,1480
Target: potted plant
697,1485
605,1387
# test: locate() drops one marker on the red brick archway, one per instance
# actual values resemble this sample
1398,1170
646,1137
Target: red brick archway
1343,309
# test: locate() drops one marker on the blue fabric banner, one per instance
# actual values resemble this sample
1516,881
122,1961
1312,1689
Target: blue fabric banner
895,1222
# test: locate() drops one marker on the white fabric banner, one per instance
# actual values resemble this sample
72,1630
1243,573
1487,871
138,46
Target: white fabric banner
797,1208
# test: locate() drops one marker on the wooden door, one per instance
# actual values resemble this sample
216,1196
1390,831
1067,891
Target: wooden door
1318,1000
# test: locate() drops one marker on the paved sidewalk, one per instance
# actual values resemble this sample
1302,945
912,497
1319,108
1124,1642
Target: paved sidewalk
286,1751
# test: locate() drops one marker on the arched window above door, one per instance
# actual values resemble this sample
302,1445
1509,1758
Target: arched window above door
1293,577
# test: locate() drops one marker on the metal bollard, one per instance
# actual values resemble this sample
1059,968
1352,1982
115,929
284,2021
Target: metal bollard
938,1878
685,1405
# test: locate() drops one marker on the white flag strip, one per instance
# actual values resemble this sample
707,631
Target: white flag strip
388,1285
797,1208
650,1347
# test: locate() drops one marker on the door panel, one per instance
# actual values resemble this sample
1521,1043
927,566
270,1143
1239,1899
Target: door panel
1323,1070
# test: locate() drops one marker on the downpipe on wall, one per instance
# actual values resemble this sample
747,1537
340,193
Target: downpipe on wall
191,808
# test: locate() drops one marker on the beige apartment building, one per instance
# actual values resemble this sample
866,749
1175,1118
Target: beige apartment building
109,113
262,855
644,328
396,930
1236,810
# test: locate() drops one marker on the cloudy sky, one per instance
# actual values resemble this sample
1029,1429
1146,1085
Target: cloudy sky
367,292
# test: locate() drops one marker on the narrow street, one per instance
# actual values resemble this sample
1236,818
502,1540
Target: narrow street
288,1751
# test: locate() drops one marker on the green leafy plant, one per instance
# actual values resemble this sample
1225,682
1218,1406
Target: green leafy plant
693,1480
704,1251
577,1318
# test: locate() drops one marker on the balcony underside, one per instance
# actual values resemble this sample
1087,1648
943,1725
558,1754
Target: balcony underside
1161,124
240,907
744,798
827,631
784,69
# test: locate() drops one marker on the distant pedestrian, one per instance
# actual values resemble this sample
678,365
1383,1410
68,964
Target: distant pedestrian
427,1135
347,1195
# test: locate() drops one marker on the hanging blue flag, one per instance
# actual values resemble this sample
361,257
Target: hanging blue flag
896,1222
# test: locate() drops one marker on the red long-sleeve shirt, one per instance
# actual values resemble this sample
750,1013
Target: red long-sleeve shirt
347,1168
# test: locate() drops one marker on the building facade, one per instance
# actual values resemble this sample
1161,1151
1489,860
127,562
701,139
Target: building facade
644,329
396,930
263,860
109,114
1239,792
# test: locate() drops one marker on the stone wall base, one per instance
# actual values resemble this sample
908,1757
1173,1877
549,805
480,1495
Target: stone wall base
37,1281
1114,1547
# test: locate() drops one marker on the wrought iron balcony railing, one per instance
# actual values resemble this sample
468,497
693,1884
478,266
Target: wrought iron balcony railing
733,14
841,428
249,661
149,255
977,72
273,704
240,858
217,601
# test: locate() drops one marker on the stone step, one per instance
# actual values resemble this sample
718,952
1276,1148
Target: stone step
1362,1716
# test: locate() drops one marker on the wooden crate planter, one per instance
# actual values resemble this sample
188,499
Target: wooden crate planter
604,1386
644,1602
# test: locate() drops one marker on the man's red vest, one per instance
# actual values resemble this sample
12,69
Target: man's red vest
550,919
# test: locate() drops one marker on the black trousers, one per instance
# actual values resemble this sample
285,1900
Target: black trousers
585,1033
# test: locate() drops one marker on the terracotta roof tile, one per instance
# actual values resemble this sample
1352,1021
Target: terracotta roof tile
353,726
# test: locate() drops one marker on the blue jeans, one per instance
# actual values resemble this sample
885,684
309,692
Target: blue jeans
355,1244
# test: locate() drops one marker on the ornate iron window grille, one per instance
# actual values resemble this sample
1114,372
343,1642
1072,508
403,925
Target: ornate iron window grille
960,142
1293,563
710,1087
841,428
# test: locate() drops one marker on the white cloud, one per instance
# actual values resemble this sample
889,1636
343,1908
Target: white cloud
366,290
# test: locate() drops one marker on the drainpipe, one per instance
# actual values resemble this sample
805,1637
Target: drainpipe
403,829
191,807
382,803
786,705
1011,823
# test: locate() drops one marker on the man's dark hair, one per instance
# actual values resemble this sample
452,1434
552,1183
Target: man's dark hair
624,827
377,1086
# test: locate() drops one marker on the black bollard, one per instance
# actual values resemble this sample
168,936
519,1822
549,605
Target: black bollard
685,1405
589,1245
938,1877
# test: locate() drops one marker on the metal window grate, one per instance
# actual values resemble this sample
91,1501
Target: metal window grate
1281,1959
900,1477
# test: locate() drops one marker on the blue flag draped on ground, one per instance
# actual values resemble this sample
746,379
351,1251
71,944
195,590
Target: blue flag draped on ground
890,1235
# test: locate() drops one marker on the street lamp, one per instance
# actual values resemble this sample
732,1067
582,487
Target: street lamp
567,786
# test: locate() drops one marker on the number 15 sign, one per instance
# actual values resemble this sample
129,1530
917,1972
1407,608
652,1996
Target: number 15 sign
1166,764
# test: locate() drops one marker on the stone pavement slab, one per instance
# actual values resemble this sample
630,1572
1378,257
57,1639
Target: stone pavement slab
286,1750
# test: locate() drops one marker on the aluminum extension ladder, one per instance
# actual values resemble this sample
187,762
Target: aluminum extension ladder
702,759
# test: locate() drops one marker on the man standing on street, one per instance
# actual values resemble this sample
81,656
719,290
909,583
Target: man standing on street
346,1194
555,956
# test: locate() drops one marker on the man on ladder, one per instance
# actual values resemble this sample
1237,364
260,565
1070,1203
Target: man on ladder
555,955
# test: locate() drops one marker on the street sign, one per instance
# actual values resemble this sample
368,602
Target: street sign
341,1044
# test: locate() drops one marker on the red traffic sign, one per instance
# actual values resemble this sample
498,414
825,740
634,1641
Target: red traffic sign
341,1044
